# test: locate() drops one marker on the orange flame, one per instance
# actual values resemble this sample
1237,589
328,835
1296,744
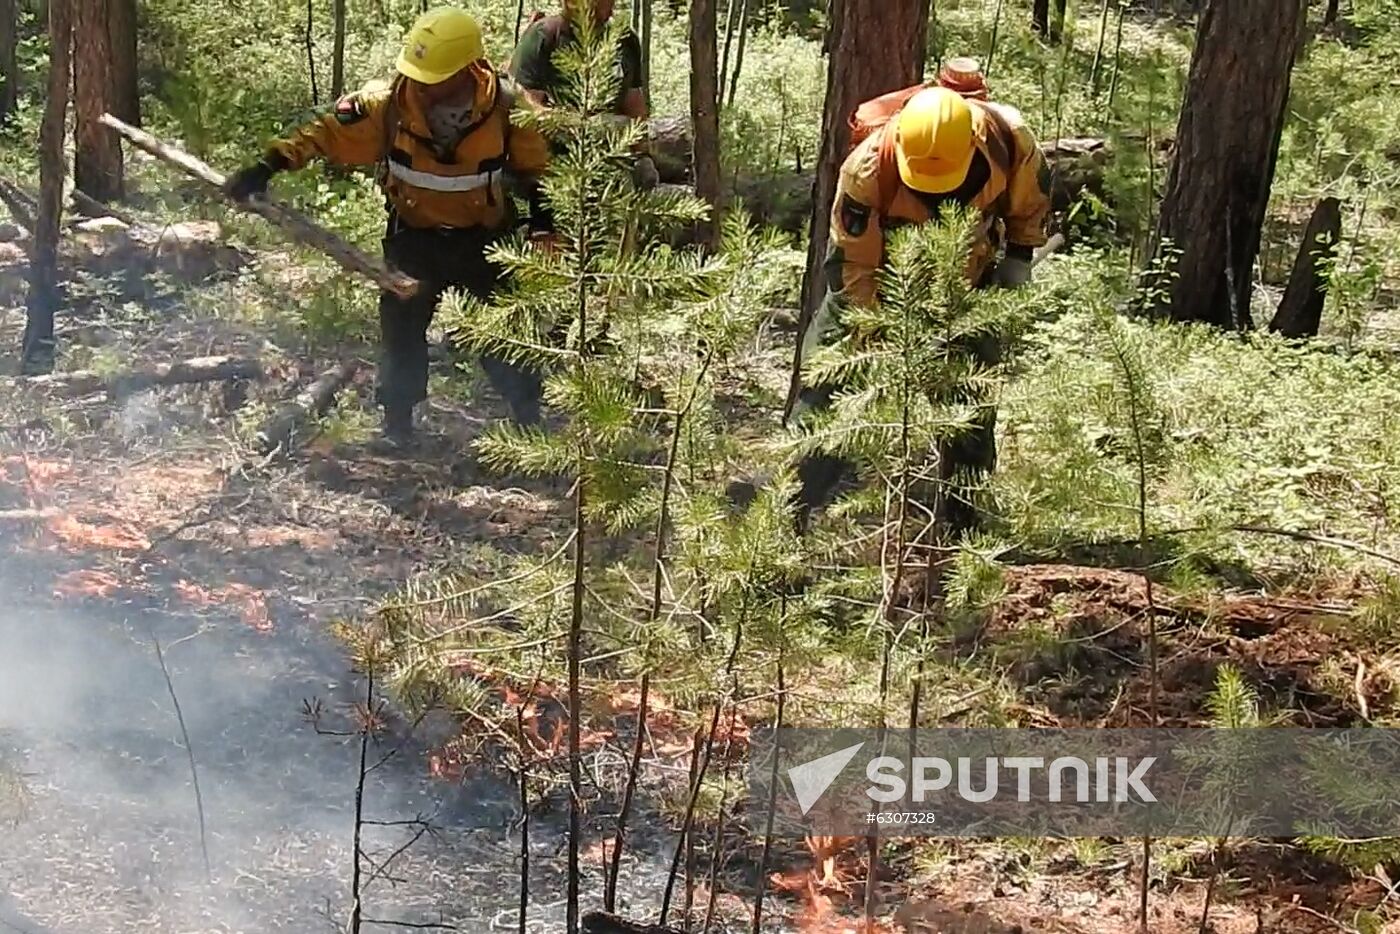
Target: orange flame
79,535
251,603
86,583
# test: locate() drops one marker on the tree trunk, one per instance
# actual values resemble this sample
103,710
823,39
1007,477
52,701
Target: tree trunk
310,42
97,152
338,51
730,30
1097,70
1333,9
9,68
704,108
1040,17
876,46
1227,146
739,53
126,91
646,46
37,352
1057,25
1300,311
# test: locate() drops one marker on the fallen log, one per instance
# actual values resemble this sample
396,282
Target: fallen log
94,208
1299,312
281,429
194,370
21,204
300,227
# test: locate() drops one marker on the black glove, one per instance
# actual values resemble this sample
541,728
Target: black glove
252,180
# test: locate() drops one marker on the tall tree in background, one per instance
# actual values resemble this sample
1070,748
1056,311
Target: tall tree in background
37,351
338,50
126,92
97,152
1041,21
876,46
9,68
704,106
1227,144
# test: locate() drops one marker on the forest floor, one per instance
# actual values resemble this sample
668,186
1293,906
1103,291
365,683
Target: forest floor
152,513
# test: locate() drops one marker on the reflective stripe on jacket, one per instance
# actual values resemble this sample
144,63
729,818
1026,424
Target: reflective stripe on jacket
387,125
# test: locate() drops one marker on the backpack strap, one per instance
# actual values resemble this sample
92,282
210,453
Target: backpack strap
1001,141
887,171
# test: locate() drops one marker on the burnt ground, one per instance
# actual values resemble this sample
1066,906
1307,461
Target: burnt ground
147,518
124,522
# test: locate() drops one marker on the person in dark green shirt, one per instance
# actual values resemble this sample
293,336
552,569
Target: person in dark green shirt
534,72
532,65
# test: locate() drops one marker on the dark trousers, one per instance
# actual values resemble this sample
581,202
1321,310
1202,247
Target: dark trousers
964,461
441,259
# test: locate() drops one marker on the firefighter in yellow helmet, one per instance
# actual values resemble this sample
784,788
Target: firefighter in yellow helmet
940,149
446,146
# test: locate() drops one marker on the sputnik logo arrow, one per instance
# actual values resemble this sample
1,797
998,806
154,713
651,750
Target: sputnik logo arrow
810,780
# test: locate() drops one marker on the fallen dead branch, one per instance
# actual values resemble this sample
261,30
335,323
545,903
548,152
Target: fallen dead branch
189,752
21,204
194,370
279,430
27,515
300,227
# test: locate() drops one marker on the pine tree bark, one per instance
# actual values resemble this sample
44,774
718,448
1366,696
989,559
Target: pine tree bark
1333,10
704,108
739,53
126,91
338,51
9,68
1227,143
37,351
97,153
1300,310
876,46
1040,17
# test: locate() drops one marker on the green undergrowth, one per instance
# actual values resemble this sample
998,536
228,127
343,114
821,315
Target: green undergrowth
1250,431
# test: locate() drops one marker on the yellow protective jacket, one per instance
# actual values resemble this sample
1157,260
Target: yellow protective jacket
387,125
1014,202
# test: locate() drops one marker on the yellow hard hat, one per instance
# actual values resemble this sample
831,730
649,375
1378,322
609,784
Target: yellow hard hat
441,43
934,142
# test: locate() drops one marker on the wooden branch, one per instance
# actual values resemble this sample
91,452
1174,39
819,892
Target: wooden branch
297,225
194,370
279,430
